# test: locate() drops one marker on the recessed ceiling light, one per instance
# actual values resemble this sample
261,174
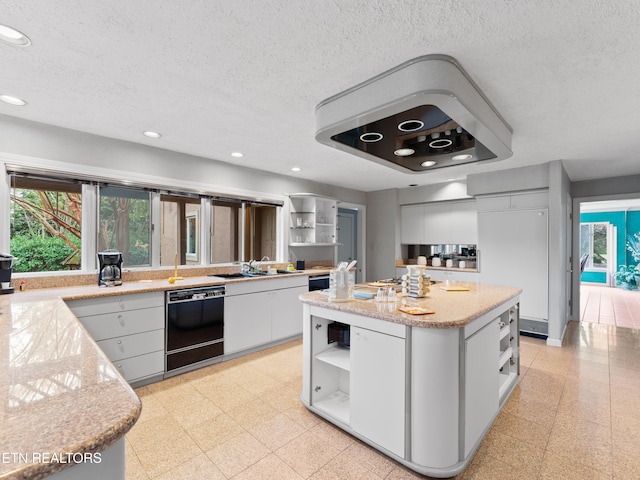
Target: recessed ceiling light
428,163
237,154
151,134
410,125
440,143
458,158
296,169
404,152
371,137
12,100
13,36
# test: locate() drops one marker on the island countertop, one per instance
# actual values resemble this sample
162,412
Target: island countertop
453,309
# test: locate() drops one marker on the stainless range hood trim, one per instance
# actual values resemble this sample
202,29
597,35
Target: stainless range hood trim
429,80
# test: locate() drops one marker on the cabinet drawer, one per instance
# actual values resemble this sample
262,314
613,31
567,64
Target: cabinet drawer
118,324
133,345
266,284
142,366
118,303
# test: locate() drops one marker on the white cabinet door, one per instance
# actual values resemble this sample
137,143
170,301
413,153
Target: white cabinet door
286,312
412,224
247,321
463,224
481,382
513,251
378,388
437,224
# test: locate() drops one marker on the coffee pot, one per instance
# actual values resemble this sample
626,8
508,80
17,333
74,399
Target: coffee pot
6,266
110,268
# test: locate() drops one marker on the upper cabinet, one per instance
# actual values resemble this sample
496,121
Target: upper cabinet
313,220
520,201
439,223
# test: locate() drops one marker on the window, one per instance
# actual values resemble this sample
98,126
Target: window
226,218
593,241
125,224
45,224
260,232
179,229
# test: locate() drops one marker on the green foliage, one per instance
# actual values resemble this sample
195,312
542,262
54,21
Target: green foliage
39,254
633,245
627,277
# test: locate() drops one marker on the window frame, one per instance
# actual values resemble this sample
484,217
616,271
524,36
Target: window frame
590,265
91,177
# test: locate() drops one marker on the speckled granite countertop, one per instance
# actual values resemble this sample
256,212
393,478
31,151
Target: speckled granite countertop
452,309
59,393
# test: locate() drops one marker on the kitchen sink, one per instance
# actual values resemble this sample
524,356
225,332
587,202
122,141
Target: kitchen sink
252,274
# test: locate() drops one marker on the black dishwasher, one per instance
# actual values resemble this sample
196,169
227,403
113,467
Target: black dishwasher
194,326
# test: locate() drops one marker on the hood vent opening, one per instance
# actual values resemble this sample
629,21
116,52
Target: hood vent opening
422,115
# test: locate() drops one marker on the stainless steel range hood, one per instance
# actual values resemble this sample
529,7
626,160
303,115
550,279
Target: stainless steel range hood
422,115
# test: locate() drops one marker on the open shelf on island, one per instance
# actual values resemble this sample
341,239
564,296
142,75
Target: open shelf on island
337,356
337,405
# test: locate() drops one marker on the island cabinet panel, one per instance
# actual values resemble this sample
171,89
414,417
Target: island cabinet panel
481,382
286,316
378,385
435,396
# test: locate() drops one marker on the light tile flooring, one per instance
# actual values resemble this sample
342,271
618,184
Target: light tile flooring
574,415
610,306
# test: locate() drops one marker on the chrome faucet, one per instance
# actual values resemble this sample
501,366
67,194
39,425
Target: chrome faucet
256,267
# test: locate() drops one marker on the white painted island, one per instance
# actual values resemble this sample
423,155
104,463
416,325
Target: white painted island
423,389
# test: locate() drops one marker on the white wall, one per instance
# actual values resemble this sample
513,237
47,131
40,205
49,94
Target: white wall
46,147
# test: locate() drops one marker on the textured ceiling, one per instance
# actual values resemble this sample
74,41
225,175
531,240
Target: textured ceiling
219,76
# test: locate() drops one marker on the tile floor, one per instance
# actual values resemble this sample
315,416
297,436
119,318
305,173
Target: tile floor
610,306
574,415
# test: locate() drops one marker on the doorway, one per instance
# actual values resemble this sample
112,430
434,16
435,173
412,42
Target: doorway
606,228
348,236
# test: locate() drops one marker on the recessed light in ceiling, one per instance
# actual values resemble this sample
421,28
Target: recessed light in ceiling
428,163
429,105
296,169
13,100
458,158
404,152
410,125
371,137
151,134
13,36
440,143
237,154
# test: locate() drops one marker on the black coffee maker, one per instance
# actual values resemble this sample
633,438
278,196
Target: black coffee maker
110,269
6,266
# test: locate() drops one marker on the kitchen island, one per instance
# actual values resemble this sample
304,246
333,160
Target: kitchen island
423,389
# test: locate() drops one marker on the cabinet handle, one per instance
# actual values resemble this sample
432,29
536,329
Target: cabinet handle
318,326
120,320
119,342
318,388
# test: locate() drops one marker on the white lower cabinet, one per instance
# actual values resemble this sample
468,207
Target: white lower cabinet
129,329
262,311
378,385
246,321
353,385
481,383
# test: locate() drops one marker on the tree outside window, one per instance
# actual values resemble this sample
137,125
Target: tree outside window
45,224
593,240
125,224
